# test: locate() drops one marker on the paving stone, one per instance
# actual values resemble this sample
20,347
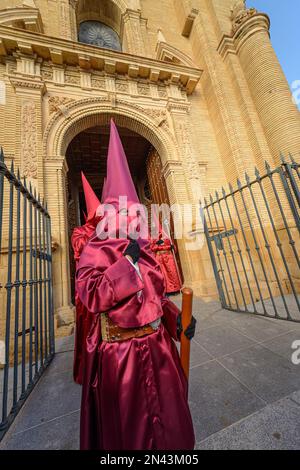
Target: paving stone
276,426
217,399
220,340
267,374
58,434
54,396
283,344
259,328
198,355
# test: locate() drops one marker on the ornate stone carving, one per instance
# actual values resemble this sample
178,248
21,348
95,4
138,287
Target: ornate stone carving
122,85
55,102
240,13
98,82
184,138
29,139
64,20
162,91
143,89
159,115
72,78
47,73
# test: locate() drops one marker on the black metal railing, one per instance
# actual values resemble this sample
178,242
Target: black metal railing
254,244
26,300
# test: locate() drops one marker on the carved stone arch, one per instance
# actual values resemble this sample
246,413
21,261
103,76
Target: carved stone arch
78,116
26,16
168,53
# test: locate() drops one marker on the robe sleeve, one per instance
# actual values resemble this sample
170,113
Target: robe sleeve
170,315
78,241
100,291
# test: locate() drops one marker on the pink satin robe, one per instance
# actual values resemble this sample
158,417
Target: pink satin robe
134,392
84,318
167,265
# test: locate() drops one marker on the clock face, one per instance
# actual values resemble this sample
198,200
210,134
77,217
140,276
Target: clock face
98,34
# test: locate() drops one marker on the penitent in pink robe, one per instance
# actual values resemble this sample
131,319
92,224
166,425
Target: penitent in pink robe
165,259
134,392
84,318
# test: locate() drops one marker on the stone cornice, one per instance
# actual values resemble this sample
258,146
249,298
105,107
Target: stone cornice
172,166
62,51
27,83
253,24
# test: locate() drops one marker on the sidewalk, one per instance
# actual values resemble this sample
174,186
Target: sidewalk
244,390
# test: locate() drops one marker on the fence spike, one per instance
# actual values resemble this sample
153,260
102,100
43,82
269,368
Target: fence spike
247,178
230,187
1,155
205,201
211,198
256,171
12,167
239,183
223,191
25,182
268,168
282,158
217,195
18,175
292,158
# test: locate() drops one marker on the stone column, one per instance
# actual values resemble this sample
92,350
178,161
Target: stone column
267,83
56,197
73,20
133,32
184,180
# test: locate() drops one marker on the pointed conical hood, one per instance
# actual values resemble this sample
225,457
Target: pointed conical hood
103,195
119,181
91,200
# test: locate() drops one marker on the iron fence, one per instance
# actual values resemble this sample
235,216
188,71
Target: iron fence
26,302
253,240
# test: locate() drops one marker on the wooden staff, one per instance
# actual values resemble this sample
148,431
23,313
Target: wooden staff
186,317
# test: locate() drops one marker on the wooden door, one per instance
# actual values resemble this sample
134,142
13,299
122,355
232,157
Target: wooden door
159,192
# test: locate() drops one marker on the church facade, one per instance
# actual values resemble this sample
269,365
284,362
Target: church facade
195,88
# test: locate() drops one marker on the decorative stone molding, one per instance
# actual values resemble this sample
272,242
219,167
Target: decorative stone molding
64,53
57,102
25,16
171,167
250,25
240,14
167,53
27,83
94,111
29,139
131,26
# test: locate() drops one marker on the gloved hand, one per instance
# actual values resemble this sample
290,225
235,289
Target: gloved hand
160,242
133,250
189,331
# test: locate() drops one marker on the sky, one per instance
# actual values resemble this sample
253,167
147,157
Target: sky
285,36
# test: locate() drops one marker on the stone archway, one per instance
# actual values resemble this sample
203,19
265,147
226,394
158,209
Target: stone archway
71,118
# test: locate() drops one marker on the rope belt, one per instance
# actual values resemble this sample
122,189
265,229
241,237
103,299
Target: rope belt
163,252
111,332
